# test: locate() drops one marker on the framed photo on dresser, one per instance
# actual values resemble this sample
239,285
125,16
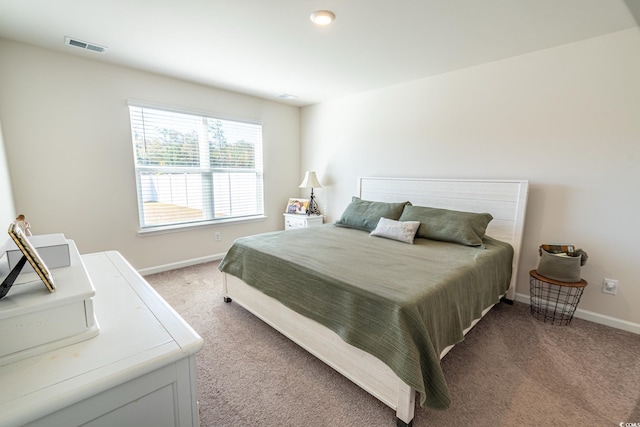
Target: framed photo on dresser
29,252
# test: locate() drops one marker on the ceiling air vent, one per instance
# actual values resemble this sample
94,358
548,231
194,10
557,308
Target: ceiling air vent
85,45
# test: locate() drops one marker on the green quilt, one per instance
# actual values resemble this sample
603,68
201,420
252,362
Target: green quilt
401,303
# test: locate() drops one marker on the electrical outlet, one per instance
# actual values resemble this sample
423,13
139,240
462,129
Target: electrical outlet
217,236
610,286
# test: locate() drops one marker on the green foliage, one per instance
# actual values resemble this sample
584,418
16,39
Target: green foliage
239,154
170,147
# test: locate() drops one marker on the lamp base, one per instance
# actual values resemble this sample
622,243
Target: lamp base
313,206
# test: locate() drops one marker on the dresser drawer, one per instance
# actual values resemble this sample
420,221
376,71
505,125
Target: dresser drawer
293,221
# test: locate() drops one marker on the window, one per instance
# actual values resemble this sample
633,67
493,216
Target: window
194,169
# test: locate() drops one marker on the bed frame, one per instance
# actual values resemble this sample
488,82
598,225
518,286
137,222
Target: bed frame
504,199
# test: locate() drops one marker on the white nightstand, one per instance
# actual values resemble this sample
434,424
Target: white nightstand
293,221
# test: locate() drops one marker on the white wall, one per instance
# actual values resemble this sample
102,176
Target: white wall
7,210
567,119
68,143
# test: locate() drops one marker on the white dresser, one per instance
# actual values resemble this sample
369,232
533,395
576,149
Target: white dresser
138,371
292,221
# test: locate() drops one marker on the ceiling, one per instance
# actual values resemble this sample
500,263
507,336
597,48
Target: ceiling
268,47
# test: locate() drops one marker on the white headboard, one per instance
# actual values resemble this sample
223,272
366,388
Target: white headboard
505,200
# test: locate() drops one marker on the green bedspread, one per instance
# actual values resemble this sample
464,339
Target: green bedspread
401,303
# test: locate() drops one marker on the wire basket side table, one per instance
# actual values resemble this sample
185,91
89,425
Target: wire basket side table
554,301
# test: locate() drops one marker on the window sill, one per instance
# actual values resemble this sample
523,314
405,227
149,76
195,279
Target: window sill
176,228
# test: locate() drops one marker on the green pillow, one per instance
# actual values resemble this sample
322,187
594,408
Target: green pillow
467,228
365,214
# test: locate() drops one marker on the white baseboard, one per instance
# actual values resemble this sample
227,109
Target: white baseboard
594,317
180,264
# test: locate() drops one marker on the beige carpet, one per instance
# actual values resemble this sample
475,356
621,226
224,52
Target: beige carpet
511,370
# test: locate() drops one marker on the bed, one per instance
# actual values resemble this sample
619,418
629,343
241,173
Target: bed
386,323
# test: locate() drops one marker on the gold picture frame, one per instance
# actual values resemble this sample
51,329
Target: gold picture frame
29,251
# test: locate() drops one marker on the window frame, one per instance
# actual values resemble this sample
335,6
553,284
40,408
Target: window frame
257,171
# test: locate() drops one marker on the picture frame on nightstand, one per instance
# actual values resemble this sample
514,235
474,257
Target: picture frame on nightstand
297,206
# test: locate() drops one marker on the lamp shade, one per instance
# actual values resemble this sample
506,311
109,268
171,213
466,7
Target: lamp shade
310,181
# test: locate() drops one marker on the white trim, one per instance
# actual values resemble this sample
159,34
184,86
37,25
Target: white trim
186,226
594,317
180,264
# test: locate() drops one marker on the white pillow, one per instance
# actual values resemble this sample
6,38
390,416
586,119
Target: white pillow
403,231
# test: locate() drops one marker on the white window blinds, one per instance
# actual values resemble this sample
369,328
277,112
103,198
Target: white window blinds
192,168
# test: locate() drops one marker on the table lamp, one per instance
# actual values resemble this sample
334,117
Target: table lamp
311,181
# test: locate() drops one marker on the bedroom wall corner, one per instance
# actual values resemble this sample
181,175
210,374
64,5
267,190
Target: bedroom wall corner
7,208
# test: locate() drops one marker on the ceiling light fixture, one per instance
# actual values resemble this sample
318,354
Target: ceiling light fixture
322,17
